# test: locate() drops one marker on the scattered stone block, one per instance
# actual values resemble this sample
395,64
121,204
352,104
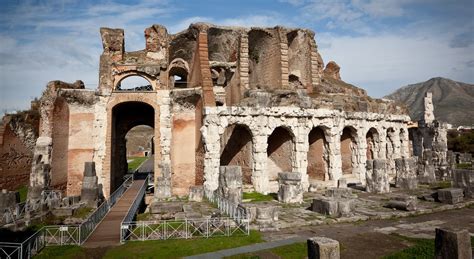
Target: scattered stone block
90,186
406,173
333,207
323,248
339,193
450,195
196,193
266,217
230,183
426,168
452,244
408,203
342,183
290,189
464,178
377,176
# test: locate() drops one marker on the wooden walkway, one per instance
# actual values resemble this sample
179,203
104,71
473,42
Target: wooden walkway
107,232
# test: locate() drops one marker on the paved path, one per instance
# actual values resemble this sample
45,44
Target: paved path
147,166
248,249
107,232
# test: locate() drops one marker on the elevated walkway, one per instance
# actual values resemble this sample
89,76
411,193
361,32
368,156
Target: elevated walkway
107,233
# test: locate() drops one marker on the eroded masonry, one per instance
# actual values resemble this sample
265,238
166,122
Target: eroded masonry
260,98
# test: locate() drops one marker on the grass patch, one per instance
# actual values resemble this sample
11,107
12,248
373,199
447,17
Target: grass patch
180,247
136,162
422,248
68,251
440,185
83,212
464,166
255,196
144,216
23,191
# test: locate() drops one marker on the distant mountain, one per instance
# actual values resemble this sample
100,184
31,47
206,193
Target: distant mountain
453,101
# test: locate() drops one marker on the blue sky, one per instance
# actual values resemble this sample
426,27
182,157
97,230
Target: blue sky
380,45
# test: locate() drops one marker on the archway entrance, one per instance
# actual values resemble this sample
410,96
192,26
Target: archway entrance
236,149
317,155
372,139
348,149
279,152
126,116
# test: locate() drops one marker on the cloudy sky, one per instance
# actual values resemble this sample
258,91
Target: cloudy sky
379,44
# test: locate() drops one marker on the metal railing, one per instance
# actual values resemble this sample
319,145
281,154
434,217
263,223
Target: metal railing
182,229
62,234
228,207
136,202
26,249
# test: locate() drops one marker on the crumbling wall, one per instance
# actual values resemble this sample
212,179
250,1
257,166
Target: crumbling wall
264,59
299,65
60,137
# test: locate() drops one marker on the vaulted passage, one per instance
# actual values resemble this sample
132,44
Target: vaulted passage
236,149
279,152
318,157
348,149
372,138
126,116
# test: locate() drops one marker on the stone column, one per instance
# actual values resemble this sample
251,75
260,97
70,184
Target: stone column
335,163
259,177
301,154
210,133
163,132
323,248
377,177
41,166
230,183
406,173
90,187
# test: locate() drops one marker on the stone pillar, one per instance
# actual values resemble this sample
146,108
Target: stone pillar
211,139
452,244
90,187
426,168
335,163
290,188
323,248
230,183
244,62
41,166
464,178
301,154
259,177
406,173
377,177
428,111
162,163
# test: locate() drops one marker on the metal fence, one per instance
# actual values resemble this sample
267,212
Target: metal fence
62,234
182,229
228,207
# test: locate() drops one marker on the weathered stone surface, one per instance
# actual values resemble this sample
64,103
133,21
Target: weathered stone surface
406,173
451,243
332,70
290,189
230,183
90,186
450,195
165,207
377,176
196,193
405,202
333,207
323,248
266,217
339,193
342,183
8,199
63,212
464,178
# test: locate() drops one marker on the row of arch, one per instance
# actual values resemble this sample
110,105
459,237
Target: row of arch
237,149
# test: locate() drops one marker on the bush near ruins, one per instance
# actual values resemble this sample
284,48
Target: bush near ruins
461,141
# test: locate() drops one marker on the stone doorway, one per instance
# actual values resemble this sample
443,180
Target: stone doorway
236,149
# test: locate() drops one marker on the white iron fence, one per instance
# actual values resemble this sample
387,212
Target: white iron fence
228,207
62,234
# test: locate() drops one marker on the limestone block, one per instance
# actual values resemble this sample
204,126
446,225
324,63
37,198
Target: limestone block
267,216
342,183
377,177
323,248
339,193
450,195
90,186
426,168
290,189
345,207
451,243
406,173
464,178
325,206
196,193
230,183
406,202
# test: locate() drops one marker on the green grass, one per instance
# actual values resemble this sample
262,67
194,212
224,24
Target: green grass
421,248
137,161
464,166
61,252
83,212
23,190
441,185
255,196
180,247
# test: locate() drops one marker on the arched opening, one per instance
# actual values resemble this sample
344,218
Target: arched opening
318,157
236,149
178,77
134,83
139,141
60,138
372,138
390,144
348,149
126,116
402,143
279,152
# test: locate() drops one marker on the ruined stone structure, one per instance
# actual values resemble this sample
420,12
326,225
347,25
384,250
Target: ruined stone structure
259,98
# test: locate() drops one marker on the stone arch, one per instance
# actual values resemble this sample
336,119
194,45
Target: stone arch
373,139
318,154
178,68
60,141
129,73
110,182
348,150
280,152
237,149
